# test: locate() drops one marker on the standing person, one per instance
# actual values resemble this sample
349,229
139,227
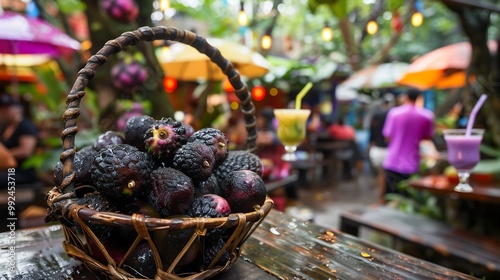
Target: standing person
20,136
378,144
404,128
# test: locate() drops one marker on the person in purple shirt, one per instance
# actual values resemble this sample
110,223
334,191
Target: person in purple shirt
404,128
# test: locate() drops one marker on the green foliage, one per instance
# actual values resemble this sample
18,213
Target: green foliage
44,161
71,6
222,21
339,8
415,202
394,5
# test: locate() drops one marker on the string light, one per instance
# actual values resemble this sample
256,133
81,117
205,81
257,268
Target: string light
371,27
258,93
266,42
170,84
242,16
164,5
326,33
417,19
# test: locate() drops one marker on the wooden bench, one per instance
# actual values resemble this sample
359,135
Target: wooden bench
430,240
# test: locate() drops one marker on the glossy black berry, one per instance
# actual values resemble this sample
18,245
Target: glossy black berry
196,160
171,191
121,171
135,129
213,138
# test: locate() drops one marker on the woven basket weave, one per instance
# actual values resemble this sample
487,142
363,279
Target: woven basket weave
62,199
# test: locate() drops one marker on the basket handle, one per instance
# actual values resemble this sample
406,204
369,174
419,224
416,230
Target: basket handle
132,38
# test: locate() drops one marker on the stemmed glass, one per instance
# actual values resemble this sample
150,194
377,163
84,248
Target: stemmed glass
291,129
463,153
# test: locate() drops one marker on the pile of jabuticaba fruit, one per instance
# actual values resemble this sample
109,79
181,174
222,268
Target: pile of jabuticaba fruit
164,168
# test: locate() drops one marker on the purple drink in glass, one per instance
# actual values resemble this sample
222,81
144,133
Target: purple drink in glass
463,153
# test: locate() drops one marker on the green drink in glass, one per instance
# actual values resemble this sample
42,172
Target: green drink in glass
291,129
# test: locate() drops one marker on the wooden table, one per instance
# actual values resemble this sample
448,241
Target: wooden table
329,161
433,240
283,182
282,247
440,185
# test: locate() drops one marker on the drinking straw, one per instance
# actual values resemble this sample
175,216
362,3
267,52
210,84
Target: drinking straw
473,114
301,94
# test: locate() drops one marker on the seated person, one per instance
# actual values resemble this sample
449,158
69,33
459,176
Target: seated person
20,136
341,131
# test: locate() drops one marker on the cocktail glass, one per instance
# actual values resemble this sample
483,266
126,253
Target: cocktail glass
291,129
463,154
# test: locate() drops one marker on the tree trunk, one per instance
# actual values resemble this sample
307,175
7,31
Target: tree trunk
475,22
350,46
102,29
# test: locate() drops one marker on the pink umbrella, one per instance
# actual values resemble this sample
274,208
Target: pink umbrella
24,35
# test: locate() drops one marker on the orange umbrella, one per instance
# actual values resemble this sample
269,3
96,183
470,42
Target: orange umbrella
441,68
21,74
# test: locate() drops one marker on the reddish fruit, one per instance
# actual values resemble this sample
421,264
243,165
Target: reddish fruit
128,76
121,10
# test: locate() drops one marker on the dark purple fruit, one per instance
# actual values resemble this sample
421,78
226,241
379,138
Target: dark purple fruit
213,138
114,250
82,167
196,160
210,206
164,138
116,240
124,11
209,186
212,249
140,207
171,191
128,76
135,129
171,242
98,203
189,129
108,138
141,262
237,160
244,190
121,171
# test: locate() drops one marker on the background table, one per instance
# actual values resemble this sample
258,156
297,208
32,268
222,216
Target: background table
282,247
484,192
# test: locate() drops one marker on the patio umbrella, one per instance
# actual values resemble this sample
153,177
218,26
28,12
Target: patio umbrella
24,35
441,68
378,76
22,74
23,60
185,63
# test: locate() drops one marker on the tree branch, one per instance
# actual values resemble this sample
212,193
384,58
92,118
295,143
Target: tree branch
380,56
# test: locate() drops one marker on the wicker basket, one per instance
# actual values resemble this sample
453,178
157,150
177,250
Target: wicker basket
62,199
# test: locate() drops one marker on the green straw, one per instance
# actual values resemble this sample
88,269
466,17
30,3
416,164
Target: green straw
298,100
